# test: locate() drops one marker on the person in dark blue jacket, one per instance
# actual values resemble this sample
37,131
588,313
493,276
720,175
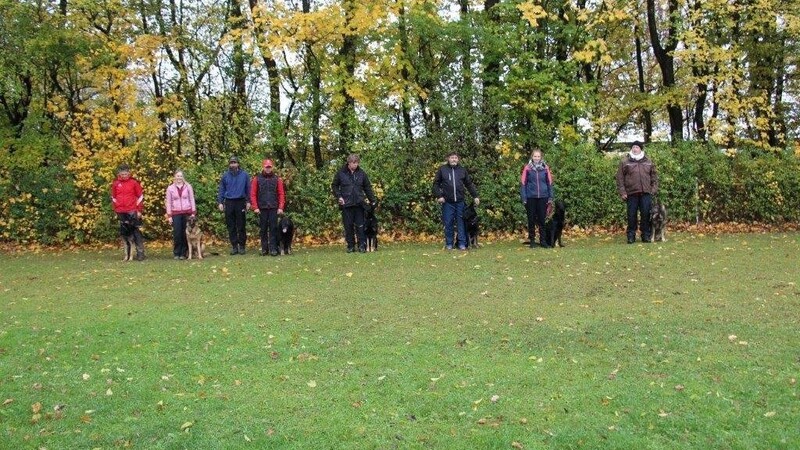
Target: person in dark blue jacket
536,192
233,199
350,187
449,184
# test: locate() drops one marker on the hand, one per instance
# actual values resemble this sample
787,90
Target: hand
256,210
280,212
221,207
477,201
440,199
138,214
169,219
341,201
624,196
247,206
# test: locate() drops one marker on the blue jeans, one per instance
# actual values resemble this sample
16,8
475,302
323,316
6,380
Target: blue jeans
639,203
454,212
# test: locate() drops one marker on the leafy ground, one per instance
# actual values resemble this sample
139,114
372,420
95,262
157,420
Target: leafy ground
689,343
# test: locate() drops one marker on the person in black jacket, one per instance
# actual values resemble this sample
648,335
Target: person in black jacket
350,186
448,188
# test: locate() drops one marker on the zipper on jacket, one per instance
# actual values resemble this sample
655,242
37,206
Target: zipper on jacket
453,177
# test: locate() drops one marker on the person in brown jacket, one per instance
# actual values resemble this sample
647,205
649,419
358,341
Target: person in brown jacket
637,182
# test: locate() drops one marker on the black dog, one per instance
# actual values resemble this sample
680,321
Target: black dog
658,221
286,234
471,225
127,228
371,227
554,227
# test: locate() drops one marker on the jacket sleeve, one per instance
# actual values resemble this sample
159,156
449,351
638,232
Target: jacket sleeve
368,190
191,199
247,187
653,180
473,191
113,194
167,203
221,189
254,192
437,184
139,197
335,186
621,178
522,180
281,194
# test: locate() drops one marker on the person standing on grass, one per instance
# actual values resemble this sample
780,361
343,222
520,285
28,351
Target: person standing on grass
233,198
536,192
268,199
127,200
449,184
180,206
350,187
637,182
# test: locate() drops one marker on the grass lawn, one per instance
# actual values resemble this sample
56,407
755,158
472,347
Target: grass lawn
692,343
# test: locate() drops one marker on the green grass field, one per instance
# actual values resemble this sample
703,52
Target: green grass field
692,343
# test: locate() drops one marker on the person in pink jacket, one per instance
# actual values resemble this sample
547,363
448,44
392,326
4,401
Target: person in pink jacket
180,206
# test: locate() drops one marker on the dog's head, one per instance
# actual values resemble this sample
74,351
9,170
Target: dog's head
127,224
471,215
285,224
191,222
658,213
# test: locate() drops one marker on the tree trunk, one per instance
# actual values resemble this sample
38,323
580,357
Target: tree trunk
647,115
666,61
347,59
491,82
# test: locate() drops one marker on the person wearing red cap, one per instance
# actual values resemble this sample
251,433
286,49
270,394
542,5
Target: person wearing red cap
127,200
268,199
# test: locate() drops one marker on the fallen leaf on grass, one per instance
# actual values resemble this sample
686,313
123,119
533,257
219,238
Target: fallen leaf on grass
517,445
109,392
349,274
86,418
770,414
36,407
679,387
494,398
186,426
312,384
476,403
732,337
523,421
8,401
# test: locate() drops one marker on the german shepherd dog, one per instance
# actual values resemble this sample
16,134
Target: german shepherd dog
471,225
658,221
371,227
554,227
285,234
127,226
194,238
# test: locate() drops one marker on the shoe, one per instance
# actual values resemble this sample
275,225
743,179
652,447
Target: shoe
532,245
234,251
631,240
350,249
181,258
462,248
448,247
139,257
176,257
362,250
273,253
242,251
647,240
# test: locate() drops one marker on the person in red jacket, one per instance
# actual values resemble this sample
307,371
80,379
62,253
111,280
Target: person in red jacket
268,199
128,201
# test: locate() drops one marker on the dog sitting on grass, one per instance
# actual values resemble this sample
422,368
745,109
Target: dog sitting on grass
658,221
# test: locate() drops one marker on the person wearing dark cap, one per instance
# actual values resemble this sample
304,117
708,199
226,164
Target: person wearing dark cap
128,201
350,187
233,198
449,184
637,182
268,199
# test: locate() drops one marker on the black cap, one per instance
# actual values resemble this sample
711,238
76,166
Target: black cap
123,168
233,158
638,144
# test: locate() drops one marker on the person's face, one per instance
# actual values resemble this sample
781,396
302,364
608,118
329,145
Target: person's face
352,165
179,178
233,165
636,149
536,157
452,160
267,169
124,175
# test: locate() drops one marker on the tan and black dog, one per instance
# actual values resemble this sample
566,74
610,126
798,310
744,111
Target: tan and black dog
194,238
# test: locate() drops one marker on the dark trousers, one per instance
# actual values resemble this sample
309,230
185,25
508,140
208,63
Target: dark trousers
179,245
138,240
353,220
639,203
235,210
454,212
536,211
268,229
